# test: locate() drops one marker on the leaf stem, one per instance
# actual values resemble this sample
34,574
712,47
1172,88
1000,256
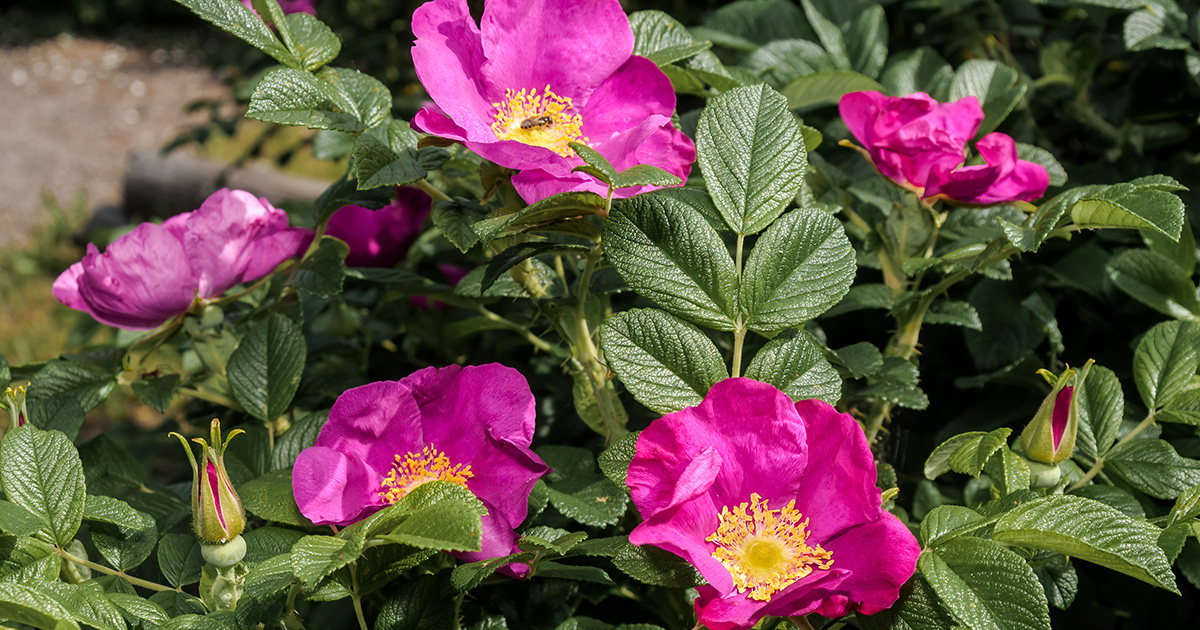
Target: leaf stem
437,195
739,326
211,397
534,340
154,586
1099,465
358,610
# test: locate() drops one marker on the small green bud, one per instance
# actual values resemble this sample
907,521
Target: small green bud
225,555
14,401
217,513
1050,437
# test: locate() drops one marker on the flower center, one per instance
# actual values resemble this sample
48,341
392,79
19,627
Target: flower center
541,120
765,550
415,469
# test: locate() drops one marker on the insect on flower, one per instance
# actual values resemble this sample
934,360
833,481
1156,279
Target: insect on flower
540,121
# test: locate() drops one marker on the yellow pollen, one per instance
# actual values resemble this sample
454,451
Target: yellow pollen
765,550
415,469
541,120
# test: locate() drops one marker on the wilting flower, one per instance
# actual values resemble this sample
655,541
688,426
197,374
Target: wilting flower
467,425
217,513
774,503
381,238
920,143
535,75
1050,437
156,272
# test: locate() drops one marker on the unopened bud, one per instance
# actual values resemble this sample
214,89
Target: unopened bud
217,513
1050,437
14,401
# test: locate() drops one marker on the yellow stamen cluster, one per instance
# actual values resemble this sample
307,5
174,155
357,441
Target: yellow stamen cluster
765,550
415,469
542,120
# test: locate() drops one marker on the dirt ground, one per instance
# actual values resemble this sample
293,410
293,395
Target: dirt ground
72,109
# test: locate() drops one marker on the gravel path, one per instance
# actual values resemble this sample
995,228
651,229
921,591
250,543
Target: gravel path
72,109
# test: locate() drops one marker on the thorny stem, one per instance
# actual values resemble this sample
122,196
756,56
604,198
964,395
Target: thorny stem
1099,465
154,586
589,356
739,327
290,620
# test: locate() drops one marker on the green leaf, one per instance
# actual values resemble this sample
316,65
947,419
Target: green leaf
321,274
1139,204
179,559
825,88
270,497
136,609
445,525
938,462
419,604
1045,159
667,252
1059,580
856,42
801,266
456,219
337,98
1008,471
1181,252
301,435
655,566
125,547
862,359
946,522
19,521
315,557
896,382
25,560
1101,407
793,363
345,192
521,252
550,539
234,18
577,491
269,577
954,313
104,509
1153,466
552,210
864,296
1088,530
61,414
264,371
41,472
5,372
917,609
666,363
1165,360
751,151
1155,281
984,585
157,391
972,455
1187,506
614,461
997,87
87,383
919,70
87,604
467,576
573,572
377,164
315,43
29,605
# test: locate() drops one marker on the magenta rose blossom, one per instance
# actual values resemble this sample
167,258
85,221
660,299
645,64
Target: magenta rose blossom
381,238
467,425
155,272
775,504
916,141
535,75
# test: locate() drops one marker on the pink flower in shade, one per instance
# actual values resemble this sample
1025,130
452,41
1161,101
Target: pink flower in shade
535,75
155,272
381,238
454,274
775,504
918,142
469,425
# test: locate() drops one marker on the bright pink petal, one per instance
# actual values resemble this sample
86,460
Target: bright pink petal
448,55
373,424
66,286
1004,177
270,250
839,482
880,556
569,45
334,488
736,611
638,90
381,238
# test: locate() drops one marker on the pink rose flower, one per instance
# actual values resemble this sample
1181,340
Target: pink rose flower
775,504
469,425
155,272
920,143
535,75
381,238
